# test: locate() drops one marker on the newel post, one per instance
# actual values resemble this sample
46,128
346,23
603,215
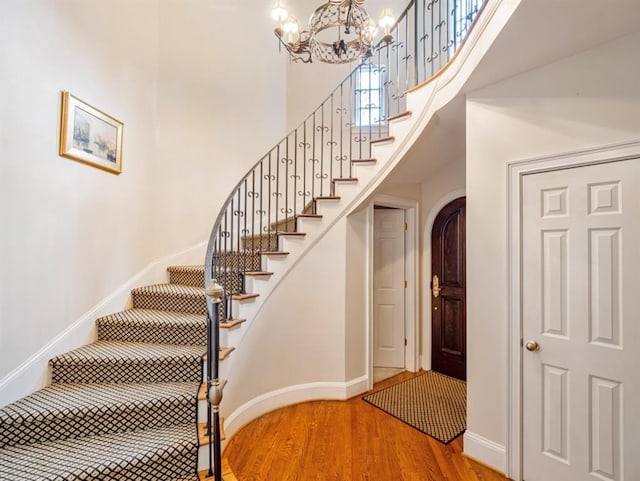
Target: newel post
214,293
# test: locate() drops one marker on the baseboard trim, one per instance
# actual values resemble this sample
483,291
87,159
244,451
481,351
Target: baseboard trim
485,451
356,386
33,374
289,395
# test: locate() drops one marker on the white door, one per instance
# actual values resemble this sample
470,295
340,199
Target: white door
388,288
581,305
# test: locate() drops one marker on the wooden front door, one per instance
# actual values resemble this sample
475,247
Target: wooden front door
448,291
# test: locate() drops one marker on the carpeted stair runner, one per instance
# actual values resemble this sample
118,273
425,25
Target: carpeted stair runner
116,362
63,411
170,297
162,327
153,454
186,275
123,407
185,293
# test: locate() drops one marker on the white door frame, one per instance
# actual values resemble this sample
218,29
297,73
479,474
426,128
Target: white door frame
516,171
410,208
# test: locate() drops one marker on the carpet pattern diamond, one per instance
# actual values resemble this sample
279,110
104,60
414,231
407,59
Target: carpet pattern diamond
432,403
123,408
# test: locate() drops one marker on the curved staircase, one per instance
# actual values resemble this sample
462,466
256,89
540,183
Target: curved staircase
132,405
125,407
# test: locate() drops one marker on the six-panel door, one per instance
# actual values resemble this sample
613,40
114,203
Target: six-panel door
581,305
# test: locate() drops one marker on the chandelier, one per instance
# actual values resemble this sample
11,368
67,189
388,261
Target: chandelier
340,31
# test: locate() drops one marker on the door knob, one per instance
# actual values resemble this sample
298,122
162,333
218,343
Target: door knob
532,346
435,286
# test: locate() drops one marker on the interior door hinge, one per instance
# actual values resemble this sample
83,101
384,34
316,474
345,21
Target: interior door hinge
405,226
405,342
405,284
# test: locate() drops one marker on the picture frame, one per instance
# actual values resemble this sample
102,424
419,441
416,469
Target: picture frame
89,135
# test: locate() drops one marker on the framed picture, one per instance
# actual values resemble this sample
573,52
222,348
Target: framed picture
89,135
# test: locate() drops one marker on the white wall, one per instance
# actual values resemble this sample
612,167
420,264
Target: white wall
70,233
295,344
220,108
195,120
356,293
587,100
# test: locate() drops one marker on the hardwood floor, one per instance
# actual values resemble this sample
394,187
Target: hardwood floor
345,441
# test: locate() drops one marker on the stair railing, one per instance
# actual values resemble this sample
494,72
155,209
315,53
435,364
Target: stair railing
304,166
214,294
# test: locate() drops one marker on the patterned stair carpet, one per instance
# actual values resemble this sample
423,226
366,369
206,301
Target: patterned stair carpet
432,403
123,407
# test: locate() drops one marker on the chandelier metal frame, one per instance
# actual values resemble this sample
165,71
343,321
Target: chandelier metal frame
355,32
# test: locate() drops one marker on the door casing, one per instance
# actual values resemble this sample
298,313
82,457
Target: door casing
411,273
515,171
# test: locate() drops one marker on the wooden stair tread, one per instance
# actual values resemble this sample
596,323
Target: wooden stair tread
292,234
274,253
202,392
229,323
243,297
310,216
401,115
259,235
223,353
203,439
390,138
363,161
327,197
345,179
227,474
258,274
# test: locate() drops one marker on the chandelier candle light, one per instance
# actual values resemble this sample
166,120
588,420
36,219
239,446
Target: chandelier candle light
340,31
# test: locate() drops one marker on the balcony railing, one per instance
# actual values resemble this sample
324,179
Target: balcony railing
302,167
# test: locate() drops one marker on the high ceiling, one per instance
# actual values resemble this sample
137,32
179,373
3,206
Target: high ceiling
539,32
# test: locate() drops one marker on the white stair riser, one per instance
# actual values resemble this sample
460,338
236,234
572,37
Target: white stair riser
224,337
365,172
275,264
257,284
203,458
329,209
401,127
245,311
235,335
348,190
291,244
309,225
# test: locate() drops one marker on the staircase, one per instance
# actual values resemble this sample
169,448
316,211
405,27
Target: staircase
125,407
133,405
302,190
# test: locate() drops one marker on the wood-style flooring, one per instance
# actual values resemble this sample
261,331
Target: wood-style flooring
346,441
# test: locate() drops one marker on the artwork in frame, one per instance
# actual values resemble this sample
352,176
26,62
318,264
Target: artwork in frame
89,135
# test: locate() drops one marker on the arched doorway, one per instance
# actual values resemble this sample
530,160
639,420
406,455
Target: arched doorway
448,291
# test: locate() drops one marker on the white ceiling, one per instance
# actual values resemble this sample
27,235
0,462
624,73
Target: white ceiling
539,32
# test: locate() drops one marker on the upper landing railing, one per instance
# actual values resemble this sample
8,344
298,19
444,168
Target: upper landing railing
304,165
